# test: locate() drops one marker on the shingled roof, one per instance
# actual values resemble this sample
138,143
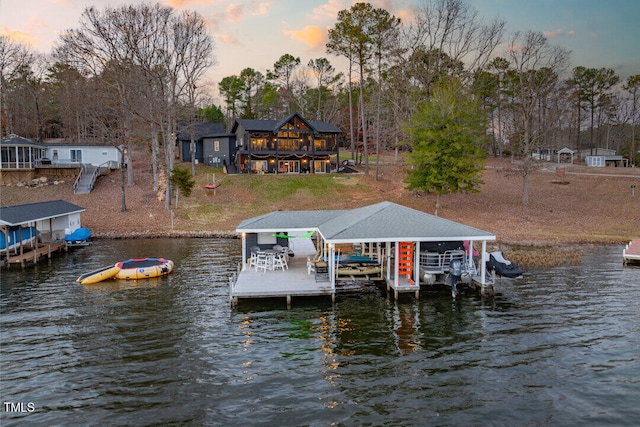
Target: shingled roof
30,212
253,125
381,222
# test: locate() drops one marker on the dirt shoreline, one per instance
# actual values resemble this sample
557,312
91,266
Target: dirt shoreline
578,206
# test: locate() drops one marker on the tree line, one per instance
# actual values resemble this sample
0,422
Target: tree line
131,74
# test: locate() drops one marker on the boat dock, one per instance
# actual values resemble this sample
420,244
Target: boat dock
376,242
631,253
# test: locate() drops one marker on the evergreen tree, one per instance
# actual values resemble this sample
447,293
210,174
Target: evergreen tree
446,135
182,179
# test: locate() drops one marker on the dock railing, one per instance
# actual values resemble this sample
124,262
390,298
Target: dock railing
438,263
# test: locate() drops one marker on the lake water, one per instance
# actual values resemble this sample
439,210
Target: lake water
558,347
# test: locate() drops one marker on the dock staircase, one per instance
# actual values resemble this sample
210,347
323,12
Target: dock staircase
86,179
89,174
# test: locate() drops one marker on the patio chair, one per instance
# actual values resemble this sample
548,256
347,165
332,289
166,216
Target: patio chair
263,262
279,261
253,257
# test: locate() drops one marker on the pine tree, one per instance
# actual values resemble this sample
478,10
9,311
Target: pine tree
446,134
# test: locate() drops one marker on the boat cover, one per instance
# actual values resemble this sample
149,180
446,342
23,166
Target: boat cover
502,266
79,235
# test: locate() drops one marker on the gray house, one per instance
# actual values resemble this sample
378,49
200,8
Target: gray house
213,146
289,145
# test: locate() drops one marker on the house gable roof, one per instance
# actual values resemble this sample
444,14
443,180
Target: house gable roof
273,126
15,140
381,222
30,212
201,130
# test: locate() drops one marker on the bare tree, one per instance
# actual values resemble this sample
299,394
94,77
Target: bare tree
149,52
536,65
100,48
13,58
451,32
632,86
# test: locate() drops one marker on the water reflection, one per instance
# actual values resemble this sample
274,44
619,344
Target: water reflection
559,347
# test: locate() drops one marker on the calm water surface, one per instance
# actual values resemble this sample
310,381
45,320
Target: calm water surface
559,347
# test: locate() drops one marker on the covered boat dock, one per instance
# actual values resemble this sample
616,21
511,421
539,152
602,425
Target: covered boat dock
49,221
391,235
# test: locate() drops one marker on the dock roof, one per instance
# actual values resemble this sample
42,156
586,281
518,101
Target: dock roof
29,212
381,222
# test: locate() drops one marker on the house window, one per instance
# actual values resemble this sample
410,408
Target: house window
259,166
105,153
267,239
320,166
216,145
258,144
76,156
289,166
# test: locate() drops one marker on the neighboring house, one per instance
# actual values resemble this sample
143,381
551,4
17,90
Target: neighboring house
24,160
20,153
213,146
53,219
606,160
597,151
290,145
62,154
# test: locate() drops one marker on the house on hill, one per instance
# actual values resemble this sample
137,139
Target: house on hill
289,145
24,159
213,146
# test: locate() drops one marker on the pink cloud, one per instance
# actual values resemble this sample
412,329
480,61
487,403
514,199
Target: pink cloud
234,12
311,35
330,9
558,33
228,39
19,36
183,4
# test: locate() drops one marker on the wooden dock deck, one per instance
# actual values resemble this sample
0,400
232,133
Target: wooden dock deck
295,281
33,256
631,253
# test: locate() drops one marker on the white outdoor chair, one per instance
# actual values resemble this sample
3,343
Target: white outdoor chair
279,261
263,262
253,257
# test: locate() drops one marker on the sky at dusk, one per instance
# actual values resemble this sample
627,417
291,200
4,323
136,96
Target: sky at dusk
255,33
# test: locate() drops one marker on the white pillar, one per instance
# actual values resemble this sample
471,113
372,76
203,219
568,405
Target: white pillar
416,265
244,251
396,279
483,265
